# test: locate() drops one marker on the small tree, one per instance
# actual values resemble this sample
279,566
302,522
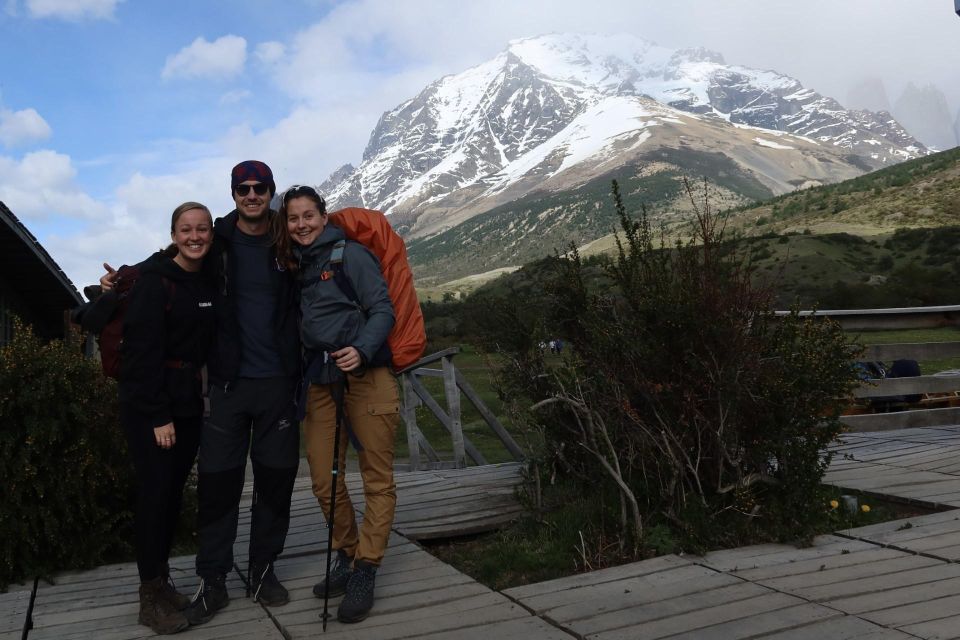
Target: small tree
685,394
62,459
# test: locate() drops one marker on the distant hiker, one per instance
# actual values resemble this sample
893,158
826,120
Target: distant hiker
558,344
167,329
553,346
253,372
346,318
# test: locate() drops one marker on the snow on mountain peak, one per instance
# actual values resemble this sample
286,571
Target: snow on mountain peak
549,103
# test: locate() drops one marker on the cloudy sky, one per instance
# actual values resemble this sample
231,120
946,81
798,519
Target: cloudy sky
112,112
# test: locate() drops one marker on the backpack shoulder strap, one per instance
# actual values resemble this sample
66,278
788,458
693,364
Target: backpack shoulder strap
170,287
339,275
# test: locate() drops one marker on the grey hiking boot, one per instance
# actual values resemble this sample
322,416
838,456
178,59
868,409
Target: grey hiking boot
169,591
211,596
265,587
358,601
339,574
156,612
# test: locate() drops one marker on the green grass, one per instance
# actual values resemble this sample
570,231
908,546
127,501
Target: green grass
570,540
940,334
476,369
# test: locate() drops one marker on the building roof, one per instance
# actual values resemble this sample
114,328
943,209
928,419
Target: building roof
28,269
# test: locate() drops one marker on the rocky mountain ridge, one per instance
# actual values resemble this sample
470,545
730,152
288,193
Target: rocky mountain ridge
554,112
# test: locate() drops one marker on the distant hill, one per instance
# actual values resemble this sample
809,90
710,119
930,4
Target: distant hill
924,192
888,238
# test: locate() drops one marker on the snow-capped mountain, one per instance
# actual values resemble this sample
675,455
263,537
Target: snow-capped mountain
555,111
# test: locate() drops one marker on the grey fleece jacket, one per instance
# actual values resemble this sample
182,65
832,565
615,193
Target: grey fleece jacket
330,320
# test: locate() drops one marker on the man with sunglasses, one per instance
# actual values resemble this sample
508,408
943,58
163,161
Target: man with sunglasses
252,370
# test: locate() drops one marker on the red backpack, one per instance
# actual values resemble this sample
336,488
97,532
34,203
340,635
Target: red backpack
104,317
408,338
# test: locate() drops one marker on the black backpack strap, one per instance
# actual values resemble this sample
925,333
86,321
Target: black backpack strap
340,276
170,288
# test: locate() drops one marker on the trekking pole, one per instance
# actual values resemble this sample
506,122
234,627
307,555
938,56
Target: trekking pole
336,390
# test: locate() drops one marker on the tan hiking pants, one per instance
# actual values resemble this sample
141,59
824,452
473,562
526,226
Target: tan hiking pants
372,405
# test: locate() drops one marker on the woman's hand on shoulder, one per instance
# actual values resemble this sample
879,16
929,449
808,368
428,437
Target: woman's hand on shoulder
347,359
165,435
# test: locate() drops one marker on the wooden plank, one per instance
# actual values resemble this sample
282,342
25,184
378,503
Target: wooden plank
433,357
584,602
764,623
489,418
845,628
812,581
452,395
408,413
942,627
907,386
902,419
817,564
648,608
744,558
690,621
612,574
875,584
13,609
918,351
444,419
522,629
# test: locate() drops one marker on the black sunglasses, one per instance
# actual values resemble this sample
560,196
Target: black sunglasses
299,190
243,189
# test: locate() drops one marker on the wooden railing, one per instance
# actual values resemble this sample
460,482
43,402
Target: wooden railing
422,454
927,386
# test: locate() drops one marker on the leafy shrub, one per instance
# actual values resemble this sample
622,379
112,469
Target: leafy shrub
62,457
703,411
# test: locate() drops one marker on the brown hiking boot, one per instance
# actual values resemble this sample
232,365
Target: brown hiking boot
156,612
176,599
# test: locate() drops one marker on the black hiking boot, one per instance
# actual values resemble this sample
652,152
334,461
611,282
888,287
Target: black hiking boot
339,574
169,592
265,587
156,612
358,601
211,596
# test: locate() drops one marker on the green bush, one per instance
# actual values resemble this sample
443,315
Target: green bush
704,412
62,457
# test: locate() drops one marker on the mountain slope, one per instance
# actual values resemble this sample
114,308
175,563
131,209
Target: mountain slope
552,113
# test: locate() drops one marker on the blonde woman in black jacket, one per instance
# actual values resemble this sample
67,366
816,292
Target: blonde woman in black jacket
167,330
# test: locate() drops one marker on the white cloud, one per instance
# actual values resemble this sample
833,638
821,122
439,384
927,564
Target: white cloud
72,10
43,184
270,52
18,127
137,223
235,97
225,57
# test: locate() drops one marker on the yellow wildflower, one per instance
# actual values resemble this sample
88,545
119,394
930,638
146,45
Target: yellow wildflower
865,508
834,504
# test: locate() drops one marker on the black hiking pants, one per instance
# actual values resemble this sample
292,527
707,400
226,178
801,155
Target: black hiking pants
259,416
160,477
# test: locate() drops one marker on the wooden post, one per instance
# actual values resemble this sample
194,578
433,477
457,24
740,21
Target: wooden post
408,412
452,393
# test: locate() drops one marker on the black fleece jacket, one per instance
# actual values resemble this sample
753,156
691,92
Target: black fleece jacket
224,362
167,330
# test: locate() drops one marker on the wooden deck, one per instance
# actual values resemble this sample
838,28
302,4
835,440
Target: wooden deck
892,580
921,465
